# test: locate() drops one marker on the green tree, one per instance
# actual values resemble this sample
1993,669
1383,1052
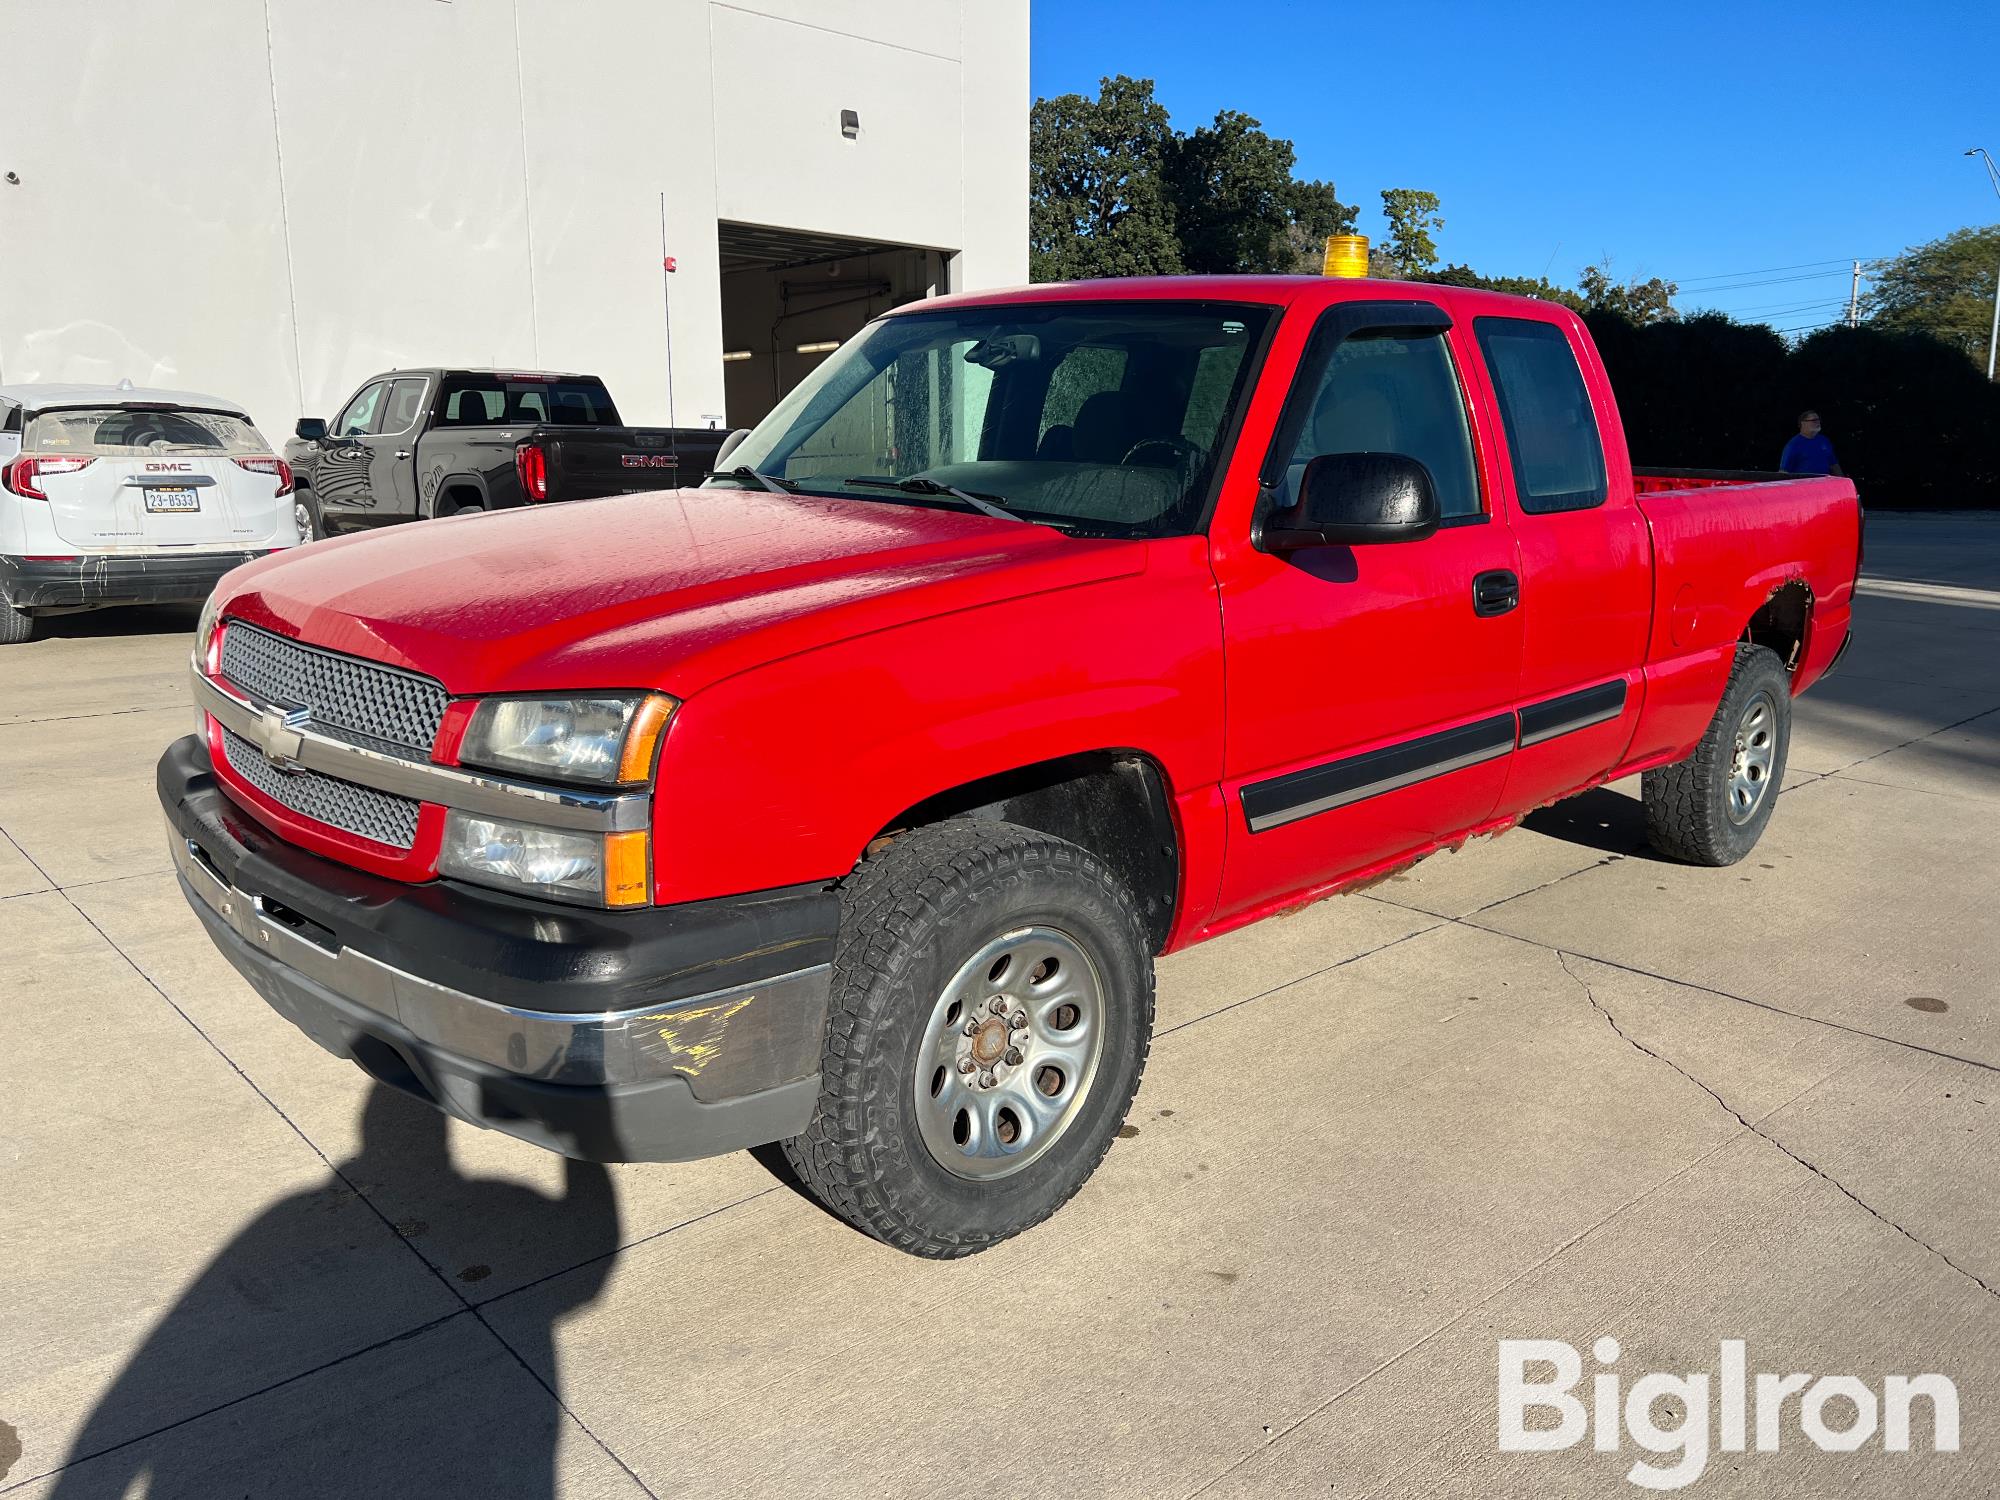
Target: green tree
1412,214
1116,191
1518,286
1943,288
1640,302
1236,201
1098,201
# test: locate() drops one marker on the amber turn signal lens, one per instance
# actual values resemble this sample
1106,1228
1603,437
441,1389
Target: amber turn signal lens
626,879
642,738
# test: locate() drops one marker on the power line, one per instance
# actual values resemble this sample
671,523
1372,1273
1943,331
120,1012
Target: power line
1737,286
1765,270
1776,310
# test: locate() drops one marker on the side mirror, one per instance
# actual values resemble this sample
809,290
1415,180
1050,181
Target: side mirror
729,445
311,429
1348,499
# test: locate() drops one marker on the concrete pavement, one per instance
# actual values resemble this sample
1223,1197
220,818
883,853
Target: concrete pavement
1544,1087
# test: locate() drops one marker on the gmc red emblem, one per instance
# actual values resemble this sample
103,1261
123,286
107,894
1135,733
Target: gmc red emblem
649,460
169,468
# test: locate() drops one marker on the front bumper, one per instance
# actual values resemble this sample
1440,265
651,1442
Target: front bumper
648,1036
109,579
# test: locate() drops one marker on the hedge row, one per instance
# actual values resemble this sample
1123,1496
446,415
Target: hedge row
1916,424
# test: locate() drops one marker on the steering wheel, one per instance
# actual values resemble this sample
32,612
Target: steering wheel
1163,453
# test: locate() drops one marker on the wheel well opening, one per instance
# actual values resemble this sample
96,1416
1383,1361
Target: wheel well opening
1113,803
1781,623
460,497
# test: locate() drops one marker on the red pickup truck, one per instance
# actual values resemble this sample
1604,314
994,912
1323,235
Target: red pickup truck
847,800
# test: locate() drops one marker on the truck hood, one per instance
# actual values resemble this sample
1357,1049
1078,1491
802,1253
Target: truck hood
671,590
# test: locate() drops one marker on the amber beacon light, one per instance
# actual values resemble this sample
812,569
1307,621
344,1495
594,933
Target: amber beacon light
1346,255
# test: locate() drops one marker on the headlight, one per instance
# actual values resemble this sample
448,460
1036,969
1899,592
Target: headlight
204,633
603,740
589,869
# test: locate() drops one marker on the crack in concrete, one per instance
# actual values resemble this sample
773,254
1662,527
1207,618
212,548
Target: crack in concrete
1762,1134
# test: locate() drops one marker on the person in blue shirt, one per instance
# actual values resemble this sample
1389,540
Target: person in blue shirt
1811,452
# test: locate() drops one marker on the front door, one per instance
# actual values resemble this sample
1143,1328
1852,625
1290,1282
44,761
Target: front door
1370,688
368,474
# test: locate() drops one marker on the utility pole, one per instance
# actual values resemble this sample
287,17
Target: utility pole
1992,339
1854,299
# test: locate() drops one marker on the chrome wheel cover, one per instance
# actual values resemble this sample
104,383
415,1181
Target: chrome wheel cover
1009,1053
1750,764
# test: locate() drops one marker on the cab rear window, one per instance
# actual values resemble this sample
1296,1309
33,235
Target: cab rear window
481,401
138,432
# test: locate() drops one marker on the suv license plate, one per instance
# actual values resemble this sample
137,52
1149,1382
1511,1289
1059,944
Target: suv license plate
172,497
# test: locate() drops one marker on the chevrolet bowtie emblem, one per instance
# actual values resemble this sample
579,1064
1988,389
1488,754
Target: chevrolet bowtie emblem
277,735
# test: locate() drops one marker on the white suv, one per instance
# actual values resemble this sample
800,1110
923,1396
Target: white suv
111,495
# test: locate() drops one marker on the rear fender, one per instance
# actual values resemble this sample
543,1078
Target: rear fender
441,491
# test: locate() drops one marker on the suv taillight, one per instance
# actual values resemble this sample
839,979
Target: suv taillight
22,476
276,467
533,466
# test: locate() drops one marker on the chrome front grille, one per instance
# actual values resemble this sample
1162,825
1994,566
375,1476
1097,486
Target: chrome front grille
362,810
345,696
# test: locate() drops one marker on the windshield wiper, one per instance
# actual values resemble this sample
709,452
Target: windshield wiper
918,485
770,482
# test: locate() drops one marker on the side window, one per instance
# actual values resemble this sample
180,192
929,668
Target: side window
1394,393
1080,375
359,418
406,403
1545,407
474,406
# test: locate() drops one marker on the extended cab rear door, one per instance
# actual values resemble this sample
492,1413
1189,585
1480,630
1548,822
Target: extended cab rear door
1586,554
1370,688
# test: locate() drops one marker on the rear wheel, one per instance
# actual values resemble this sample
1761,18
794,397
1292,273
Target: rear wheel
15,626
992,1008
1711,808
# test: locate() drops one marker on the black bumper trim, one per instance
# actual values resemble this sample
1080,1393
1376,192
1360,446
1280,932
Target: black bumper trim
511,950
108,580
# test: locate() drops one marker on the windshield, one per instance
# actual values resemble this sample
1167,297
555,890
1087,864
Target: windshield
137,432
1106,417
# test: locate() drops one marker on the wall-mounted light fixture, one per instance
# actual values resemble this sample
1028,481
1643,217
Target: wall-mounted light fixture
730,356
824,346
850,123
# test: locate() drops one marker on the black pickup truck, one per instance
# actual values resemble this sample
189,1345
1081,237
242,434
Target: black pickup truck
412,444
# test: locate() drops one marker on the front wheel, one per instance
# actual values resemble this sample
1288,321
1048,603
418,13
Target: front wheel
1711,808
991,1013
305,515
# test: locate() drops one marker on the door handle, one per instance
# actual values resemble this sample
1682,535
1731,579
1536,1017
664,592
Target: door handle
402,453
1495,592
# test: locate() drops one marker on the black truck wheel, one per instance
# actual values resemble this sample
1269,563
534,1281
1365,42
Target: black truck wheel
1711,808
306,516
991,1013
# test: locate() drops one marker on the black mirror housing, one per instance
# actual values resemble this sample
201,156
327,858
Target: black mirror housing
311,429
1352,499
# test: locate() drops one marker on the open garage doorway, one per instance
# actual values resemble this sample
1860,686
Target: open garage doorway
789,298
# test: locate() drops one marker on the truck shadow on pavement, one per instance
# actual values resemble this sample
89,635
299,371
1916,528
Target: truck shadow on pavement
1602,819
445,1408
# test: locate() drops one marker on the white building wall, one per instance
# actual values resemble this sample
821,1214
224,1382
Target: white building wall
376,183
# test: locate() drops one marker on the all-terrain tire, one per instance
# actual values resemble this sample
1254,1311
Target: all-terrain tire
912,918
1691,806
15,627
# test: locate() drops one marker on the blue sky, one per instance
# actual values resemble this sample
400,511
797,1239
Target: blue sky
1711,144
